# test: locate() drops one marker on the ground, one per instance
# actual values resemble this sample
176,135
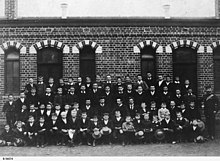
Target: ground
209,148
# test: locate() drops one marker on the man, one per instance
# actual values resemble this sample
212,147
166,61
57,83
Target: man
9,110
41,86
140,82
30,85
63,86
33,98
52,85
20,102
71,97
95,94
160,84
149,80
211,104
152,95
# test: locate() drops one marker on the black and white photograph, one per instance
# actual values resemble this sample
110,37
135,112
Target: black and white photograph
110,79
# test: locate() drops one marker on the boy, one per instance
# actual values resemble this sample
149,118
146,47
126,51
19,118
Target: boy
41,111
140,96
8,136
181,124
30,131
23,114
48,96
83,125
95,127
53,132
32,111
195,134
147,128
102,108
67,110
48,112
120,106
143,109
73,127
71,97
32,97
20,138
132,108
153,109
58,111
193,112
128,129
64,128
41,87
52,85
139,134
118,134
76,107
9,110
59,98
41,132
168,128
106,130
89,109
163,110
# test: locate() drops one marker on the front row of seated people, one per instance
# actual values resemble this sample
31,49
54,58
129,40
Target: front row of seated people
76,130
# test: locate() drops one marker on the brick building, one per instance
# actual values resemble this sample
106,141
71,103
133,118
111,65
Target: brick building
71,47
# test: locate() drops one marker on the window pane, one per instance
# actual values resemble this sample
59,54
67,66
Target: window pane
12,79
147,66
13,56
87,52
49,55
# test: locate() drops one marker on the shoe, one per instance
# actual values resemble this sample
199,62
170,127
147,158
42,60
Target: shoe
110,143
80,143
89,144
212,138
123,143
15,144
42,146
173,142
38,146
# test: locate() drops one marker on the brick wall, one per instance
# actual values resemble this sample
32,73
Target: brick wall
117,57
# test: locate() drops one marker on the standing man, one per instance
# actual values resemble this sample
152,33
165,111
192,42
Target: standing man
210,103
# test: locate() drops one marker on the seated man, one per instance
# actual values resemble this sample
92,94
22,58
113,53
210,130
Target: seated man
168,126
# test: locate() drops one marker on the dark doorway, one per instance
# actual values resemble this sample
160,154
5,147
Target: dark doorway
87,62
49,63
185,65
148,62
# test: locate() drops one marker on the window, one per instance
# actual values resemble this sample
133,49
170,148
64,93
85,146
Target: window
185,65
12,71
49,63
87,62
148,63
217,70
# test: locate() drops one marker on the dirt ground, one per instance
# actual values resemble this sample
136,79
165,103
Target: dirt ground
211,148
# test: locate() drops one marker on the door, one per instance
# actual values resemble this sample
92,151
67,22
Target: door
87,62
185,65
49,63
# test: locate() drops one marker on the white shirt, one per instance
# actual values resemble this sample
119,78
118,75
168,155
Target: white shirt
105,122
22,100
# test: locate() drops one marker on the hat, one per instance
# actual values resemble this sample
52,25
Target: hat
106,114
201,125
96,134
19,142
159,134
139,135
200,139
106,130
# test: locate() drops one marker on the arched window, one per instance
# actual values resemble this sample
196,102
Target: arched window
148,62
87,62
12,71
50,63
217,70
185,65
